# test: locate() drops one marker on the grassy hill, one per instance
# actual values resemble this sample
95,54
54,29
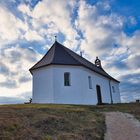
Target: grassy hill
57,122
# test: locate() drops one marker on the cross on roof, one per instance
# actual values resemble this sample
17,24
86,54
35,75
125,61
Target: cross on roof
55,38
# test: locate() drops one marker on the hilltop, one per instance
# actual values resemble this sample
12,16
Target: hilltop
50,122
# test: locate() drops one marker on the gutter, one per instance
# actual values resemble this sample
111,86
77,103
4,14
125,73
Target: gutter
110,92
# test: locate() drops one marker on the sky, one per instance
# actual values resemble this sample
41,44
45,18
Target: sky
109,29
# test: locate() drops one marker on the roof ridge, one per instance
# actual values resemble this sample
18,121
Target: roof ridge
54,45
88,62
79,56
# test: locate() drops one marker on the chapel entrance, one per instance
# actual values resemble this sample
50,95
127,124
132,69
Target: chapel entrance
99,96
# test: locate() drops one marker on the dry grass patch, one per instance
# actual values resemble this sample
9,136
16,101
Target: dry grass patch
50,122
57,122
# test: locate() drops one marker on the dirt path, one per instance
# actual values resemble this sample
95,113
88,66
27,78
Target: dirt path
122,126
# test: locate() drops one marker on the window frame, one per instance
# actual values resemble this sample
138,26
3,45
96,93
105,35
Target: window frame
67,79
90,82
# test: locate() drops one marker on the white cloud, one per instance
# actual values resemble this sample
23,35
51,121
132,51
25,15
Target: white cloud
133,61
102,32
10,26
33,36
49,18
98,30
25,9
17,60
99,35
103,36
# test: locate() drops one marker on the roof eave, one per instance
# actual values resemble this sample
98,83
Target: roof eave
115,80
111,78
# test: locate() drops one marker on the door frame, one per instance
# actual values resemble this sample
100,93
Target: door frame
99,95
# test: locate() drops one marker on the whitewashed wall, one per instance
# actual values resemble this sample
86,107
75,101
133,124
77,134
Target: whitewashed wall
48,86
116,94
43,85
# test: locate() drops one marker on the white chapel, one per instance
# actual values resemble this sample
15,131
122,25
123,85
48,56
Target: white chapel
64,77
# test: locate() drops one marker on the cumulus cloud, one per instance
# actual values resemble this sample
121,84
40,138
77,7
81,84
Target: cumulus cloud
11,26
33,36
103,35
82,26
25,9
8,83
130,82
24,79
14,72
100,31
57,18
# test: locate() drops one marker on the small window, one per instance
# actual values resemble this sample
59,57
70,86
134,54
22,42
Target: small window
66,79
113,89
90,82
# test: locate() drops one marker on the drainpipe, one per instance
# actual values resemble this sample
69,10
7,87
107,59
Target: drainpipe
110,92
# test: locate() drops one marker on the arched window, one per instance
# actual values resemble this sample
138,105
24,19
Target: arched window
90,82
67,79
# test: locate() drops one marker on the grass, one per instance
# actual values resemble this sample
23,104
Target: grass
132,108
57,122
46,122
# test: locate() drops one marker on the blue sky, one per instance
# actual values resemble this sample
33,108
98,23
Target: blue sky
109,29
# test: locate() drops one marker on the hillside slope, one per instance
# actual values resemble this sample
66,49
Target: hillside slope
57,122
46,122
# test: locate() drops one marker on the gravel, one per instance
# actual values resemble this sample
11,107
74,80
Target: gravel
121,126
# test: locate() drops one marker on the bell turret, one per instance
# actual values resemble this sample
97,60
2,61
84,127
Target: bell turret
98,62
